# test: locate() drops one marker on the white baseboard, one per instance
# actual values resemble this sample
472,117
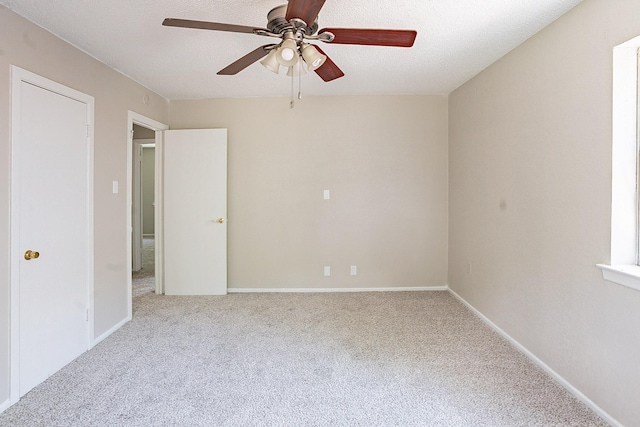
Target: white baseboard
564,383
318,290
5,405
110,331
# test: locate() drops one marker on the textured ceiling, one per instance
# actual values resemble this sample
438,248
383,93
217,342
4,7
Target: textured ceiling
456,40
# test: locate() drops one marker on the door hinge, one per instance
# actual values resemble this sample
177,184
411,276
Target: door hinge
87,131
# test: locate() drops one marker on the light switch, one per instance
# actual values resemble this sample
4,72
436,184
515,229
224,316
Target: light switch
115,187
354,270
327,270
327,195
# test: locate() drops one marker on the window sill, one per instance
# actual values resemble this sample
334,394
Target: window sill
625,275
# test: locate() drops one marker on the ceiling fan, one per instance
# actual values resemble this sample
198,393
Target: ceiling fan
296,23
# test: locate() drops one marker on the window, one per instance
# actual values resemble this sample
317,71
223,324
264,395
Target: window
625,232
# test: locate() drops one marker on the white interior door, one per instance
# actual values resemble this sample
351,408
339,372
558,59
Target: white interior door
195,212
52,218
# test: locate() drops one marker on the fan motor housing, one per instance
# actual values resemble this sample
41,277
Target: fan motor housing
278,24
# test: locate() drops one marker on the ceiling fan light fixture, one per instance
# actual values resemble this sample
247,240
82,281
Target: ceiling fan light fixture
270,62
287,53
312,57
293,24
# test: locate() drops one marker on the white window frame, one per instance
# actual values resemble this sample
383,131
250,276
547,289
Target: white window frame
623,266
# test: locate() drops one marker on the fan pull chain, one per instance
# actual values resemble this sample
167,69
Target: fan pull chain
300,79
300,71
292,102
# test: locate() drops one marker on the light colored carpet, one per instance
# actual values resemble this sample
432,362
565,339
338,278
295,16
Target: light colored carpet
360,359
144,281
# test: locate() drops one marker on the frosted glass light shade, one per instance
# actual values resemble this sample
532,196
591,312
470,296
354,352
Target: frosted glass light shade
312,57
287,53
270,62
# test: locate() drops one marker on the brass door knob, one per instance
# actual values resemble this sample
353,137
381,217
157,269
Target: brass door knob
220,220
29,255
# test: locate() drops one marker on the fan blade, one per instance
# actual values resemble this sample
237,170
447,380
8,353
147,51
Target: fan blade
329,70
398,38
307,10
245,61
205,25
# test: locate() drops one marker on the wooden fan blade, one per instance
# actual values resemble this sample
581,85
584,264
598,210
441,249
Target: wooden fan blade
307,10
245,61
372,37
329,70
205,25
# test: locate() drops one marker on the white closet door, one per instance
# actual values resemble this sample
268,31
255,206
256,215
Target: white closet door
51,171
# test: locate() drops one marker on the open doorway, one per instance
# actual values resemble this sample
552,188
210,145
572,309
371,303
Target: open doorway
143,211
147,129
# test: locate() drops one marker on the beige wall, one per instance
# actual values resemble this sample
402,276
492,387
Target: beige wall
384,160
140,132
530,193
30,47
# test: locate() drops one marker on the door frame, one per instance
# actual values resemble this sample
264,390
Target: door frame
139,119
18,77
